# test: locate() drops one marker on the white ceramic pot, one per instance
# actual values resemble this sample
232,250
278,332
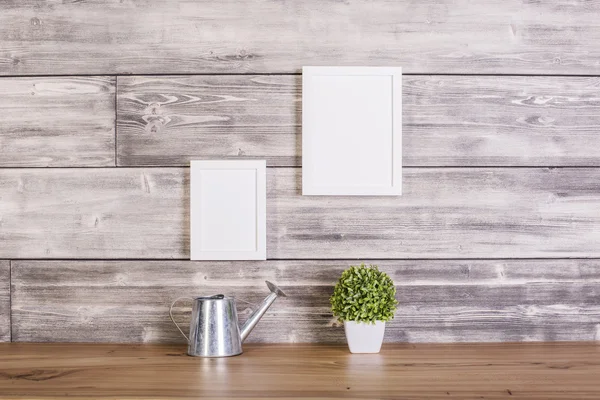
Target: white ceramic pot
364,337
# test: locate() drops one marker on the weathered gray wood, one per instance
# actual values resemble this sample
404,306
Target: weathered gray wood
182,36
94,213
501,121
448,120
172,120
440,301
57,121
444,213
4,301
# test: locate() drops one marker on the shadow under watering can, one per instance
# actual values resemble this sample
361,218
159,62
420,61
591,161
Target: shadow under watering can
214,326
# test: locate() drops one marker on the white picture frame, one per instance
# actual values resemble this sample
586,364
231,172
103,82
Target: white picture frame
228,210
352,131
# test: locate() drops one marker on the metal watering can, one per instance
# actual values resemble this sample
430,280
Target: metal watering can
214,327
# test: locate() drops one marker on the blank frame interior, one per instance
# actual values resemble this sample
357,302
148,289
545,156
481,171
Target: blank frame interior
351,131
228,210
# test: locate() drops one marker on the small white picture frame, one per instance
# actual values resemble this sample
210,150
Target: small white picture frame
228,210
352,131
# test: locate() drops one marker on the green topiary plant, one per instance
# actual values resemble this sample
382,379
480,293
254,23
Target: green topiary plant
364,294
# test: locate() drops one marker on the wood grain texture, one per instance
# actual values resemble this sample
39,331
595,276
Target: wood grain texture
447,120
182,36
57,121
94,213
500,121
4,301
551,371
444,213
172,120
440,300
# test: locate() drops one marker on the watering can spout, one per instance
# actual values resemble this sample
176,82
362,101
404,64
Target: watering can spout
261,310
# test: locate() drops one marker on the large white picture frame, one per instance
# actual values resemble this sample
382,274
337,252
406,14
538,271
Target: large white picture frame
352,131
228,210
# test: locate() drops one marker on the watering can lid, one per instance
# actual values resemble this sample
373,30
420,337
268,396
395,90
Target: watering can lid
215,297
272,287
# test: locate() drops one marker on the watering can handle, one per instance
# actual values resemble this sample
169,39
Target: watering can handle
173,319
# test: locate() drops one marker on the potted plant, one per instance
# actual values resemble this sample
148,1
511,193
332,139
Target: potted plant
363,299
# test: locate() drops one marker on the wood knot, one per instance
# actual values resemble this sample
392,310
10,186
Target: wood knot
153,109
154,127
35,21
155,123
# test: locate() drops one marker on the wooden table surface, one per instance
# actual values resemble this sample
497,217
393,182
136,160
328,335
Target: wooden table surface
459,371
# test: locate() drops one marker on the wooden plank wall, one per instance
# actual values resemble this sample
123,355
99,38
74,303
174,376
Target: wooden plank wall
441,300
103,103
447,120
444,212
57,122
5,331
225,36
